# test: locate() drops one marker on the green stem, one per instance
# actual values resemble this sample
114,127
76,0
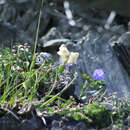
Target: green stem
37,32
36,40
58,94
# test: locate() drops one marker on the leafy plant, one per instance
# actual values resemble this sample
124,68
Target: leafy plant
98,113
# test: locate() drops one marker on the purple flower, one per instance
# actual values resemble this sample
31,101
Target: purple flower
67,67
98,74
47,57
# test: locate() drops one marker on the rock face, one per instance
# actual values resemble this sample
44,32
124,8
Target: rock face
107,5
19,19
97,52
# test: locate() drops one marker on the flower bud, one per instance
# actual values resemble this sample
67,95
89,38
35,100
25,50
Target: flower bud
73,57
63,51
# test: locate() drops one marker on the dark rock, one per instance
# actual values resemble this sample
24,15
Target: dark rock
28,120
68,125
32,124
125,39
9,34
80,126
31,120
123,53
53,34
8,121
119,6
19,18
56,125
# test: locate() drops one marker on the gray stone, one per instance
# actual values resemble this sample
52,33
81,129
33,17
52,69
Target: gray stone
8,35
97,52
80,126
107,5
125,39
52,34
8,121
22,17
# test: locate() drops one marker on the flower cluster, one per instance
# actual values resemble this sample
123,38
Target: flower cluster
66,56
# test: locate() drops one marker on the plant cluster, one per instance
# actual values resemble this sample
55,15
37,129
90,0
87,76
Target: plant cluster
20,82
44,83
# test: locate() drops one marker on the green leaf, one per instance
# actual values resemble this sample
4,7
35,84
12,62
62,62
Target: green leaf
61,68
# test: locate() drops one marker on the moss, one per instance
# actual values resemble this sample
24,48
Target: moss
99,115
78,116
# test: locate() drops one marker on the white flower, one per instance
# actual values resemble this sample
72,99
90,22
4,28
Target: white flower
63,59
73,57
63,51
66,56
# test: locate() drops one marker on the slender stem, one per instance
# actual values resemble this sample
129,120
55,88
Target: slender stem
37,31
53,85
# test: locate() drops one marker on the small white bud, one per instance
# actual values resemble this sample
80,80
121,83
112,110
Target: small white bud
63,51
73,57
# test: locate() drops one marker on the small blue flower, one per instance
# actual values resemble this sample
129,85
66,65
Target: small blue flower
47,57
67,68
98,74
